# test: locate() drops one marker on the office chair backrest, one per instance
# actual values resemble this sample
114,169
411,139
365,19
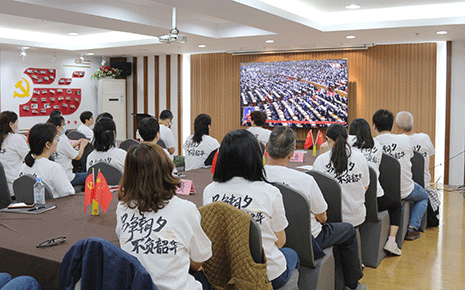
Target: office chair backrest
5,196
162,144
75,135
112,174
255,241
371,201
126,144
24,189
389,176
89,148
331,190
418,169
298,232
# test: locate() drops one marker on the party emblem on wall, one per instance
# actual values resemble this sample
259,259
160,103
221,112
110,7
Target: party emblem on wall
21,91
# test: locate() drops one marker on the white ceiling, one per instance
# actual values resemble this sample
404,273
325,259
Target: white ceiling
131,27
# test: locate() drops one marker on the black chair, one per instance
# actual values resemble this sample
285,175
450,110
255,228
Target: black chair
418,175
5,196
75,135
112,174
23,188
126,144
255,241
331,190
89,148
162,144
314,274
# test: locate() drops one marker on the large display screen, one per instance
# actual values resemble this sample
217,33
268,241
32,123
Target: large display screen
306,93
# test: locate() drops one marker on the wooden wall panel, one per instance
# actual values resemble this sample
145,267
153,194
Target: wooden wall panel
394,77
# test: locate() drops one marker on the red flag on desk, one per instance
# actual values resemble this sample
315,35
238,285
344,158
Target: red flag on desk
102,192
319,138
215,158
90,191
309,140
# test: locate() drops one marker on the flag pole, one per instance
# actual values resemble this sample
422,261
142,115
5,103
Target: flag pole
94,203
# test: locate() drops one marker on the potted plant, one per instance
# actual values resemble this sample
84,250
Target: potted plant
106,72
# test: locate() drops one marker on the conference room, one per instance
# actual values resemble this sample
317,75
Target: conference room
400,58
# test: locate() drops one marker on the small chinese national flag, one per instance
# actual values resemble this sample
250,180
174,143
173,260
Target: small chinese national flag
214,162
90,191
309,140
319,138
102,192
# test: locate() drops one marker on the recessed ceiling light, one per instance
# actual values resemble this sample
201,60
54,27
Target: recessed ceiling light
269,41
201,45
350,36
353,6
90,53
441,32
73,34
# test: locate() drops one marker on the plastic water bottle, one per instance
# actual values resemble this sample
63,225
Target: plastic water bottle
39,192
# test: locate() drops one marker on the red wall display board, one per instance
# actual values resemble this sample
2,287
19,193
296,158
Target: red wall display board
42,76
44,100
65,81
78,74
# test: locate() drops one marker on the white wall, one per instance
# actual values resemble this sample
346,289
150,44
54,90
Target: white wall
12,70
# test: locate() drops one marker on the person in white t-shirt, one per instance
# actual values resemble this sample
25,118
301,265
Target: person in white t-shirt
161,230
166,134
13,147
105,149
350,169
342,236
239,180
43,141
398,146
258,121
66,153
361,140
87,120
199,145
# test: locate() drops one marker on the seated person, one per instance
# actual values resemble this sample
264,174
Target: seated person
350,169
258,121
7,282
398,146
13,147
104,115
147,197
199,145
166,134
43,141
342,236
105,149
87,120
361,140
55,113
239,175
66,153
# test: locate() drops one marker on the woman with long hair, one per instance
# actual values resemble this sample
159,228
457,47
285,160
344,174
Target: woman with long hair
13,147
350,169
154,225
43,142
239,179
105,149
200,145
361,140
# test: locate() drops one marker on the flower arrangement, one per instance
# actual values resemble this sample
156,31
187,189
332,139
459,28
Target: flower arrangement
106,71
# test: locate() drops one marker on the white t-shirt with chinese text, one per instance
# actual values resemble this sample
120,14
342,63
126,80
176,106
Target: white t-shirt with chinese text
166,134
13,150
197,153
52,174
265,203
373,156
422,144
398,147
64,156
114,155
86,131
262,134
165,242
303,183
353,183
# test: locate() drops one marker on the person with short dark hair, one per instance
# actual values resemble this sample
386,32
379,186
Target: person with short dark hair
104,115
147,197
65,152
258,121
399,147
13,147
55,113
87,120
166,134
342,236
361,140
43,141
199,145
239,176
149,130
105,149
